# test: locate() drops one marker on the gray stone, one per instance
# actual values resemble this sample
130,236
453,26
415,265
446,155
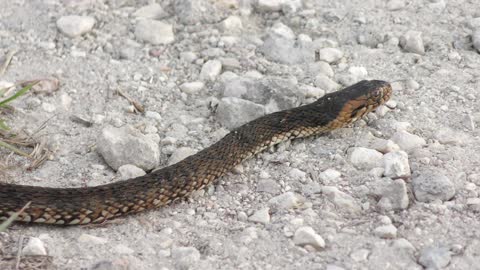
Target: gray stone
394,196
449,136
126,145
297,175
386,231
388,255
396,165
364,158
180,154
154,32
412,42
281,30
193,12
191,87
341,200
129,171
330,175
431,185
287,200
210,70
408,141
312,92
152,11
268,186
385,146
307,236
34,247
330,55
476,39
269,5
73,25
245,88
435,257
261,216
91,239
232,24
285,50
185,257
320,67
393,5
324,82
233,112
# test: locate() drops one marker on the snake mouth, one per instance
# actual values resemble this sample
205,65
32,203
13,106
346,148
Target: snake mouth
370,100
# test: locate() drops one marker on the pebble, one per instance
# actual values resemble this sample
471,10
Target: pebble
330,175
394,196
48,107
153,115
320,67
152,11
297,175
154,32
435,257
245,88
268,186
127,145
386,231
473,204
185,257
431,185
412,84
210,70
34,247
91,239
324,82
307,236
232,24
74,25
393,5
261,216
269,5
408,141
396,165
287,200
281,30
364,158
333,267
385,146
341,200
360,255
230,63
476,39
330,55
412,42
122,249
180,154
193,12
192,87
233,112
284,50
449,136
129,171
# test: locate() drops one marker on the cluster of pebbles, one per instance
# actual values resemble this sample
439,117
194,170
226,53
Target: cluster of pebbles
397,190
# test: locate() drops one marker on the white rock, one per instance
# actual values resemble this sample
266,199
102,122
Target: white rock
126,145
297,175
320,67
364,158
122,249
73,25
431,185
341,200
261,216
330,55
435,257
233,112
330,175
154,32
180,154
34,247
385,146
210,70
312,92
386,231
394,196
358,73
324,82
232,24
185,257
408,141
282,30
360,255
48,107
449,136
396,165
191,87
307,236
269,186
91,239
287,200
396,4
129,171
269,5
412,42
153,115
152,11
476,39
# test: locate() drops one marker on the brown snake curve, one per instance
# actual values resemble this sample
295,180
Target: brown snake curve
73,206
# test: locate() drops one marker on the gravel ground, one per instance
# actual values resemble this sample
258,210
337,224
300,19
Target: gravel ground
398,190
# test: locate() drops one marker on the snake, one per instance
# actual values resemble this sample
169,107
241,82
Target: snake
97,204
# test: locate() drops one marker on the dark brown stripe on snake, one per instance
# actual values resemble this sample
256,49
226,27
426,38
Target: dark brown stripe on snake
72,206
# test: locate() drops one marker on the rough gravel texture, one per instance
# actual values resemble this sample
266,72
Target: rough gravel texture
250,219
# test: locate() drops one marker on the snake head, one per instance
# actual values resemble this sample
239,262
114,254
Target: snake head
357,100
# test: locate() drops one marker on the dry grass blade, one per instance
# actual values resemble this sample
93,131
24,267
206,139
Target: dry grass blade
27,263
136,104
12,218
8,59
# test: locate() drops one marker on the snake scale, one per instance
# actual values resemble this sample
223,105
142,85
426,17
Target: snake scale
75,206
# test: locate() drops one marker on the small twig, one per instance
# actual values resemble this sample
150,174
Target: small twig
135,103
19,252
14,149
8,59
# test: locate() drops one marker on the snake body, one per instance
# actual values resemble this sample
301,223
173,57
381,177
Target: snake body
74,206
